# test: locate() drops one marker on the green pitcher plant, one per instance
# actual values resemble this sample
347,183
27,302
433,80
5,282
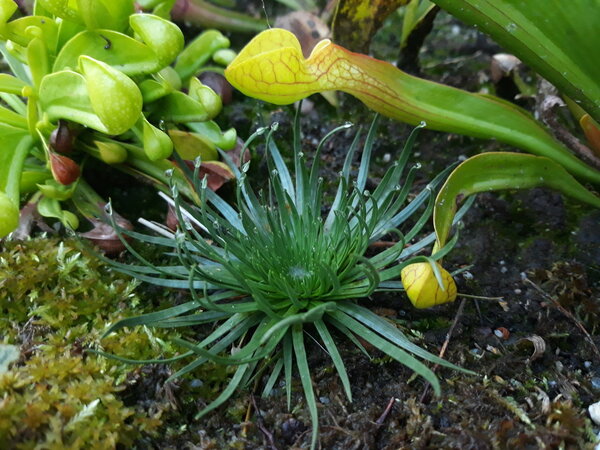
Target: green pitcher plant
272,68
96,79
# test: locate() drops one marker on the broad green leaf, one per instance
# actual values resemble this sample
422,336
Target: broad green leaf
14,147
63,95
50,207
113,14
559,39
191,145
198,52
66,31
501,170
62,8
10,84
152,90
162,36
31,177
157,143
271,67
179,107
37,57
24,29
225,140
7,9
116,49
115,97
206,96
9,215
11,118
53,189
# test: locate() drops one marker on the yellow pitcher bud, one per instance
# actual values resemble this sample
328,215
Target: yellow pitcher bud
422,287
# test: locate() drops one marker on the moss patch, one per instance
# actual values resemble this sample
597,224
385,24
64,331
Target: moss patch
55,301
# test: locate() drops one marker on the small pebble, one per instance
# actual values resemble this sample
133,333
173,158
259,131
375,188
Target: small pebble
518,291
587,364
594,410
324,400
595,382
196,383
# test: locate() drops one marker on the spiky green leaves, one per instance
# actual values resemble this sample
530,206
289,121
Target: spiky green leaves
272,269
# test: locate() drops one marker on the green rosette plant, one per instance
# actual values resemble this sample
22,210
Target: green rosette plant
273,270
95,78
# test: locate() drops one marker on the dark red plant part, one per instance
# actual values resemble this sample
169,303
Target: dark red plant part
104,236
64,169
216,173
219,84
62,138
171,221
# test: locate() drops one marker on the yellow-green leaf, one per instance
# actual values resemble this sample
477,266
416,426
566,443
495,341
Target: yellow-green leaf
115,97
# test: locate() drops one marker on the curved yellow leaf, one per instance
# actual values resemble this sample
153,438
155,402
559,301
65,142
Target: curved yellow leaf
272,68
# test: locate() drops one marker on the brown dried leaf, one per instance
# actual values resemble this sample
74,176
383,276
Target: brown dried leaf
539,345
104,235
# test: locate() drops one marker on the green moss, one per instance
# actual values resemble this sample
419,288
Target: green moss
56,300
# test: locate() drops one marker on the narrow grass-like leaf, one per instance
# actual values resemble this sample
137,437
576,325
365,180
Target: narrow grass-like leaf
272,378
306,379
335,356
147,319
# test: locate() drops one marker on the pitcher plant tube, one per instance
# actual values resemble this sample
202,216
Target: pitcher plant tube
272,68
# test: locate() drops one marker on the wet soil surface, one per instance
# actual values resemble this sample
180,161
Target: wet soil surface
533,347
534,350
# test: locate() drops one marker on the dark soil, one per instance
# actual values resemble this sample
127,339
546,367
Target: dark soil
534,350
